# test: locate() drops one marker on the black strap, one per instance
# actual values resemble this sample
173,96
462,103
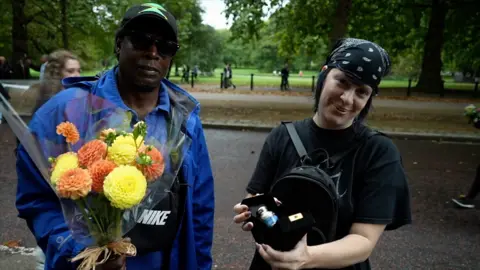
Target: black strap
297,142
302,152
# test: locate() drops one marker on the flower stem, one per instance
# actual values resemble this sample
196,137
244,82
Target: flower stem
93,215
119,223
84,214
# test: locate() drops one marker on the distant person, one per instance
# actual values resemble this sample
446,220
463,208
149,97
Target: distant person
284,73
44,61
61,64
5,73
21,69
105,63
5,69
186,72
195,72
5,94
228,77
468,201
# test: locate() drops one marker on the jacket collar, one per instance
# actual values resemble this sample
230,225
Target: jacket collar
106,87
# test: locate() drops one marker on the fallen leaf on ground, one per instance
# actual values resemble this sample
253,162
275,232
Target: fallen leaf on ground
12,243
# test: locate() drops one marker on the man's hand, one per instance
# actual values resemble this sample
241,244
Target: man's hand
117,263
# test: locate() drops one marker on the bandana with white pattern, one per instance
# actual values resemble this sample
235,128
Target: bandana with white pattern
365,61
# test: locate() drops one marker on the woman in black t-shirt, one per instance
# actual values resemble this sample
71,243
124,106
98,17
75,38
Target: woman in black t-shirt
377,199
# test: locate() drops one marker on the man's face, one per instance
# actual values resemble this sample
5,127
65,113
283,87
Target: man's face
341,100
145,53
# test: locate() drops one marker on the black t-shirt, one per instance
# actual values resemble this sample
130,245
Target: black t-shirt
375,191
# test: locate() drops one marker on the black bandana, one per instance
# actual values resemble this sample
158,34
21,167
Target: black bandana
366,62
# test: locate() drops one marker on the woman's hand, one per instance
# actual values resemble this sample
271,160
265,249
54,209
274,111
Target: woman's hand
243,214
294,259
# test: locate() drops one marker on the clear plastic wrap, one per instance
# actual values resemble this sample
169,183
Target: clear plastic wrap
105,167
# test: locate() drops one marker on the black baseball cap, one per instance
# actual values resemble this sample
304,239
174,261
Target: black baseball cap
152,10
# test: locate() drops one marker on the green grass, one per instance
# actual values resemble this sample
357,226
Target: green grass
241,77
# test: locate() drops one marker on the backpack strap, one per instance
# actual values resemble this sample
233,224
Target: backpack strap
297,142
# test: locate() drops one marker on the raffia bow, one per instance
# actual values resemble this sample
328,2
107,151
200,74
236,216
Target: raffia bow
90,255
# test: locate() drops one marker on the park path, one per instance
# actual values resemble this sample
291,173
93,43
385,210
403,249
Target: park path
307,101
268,100
440,237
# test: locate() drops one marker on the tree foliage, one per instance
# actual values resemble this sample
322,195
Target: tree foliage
87,27
265,33
423,37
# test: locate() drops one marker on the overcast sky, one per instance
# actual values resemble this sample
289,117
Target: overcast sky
214,13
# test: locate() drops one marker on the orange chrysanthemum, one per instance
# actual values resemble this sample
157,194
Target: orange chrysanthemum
98,171
74,184
90,152
69,131
157,167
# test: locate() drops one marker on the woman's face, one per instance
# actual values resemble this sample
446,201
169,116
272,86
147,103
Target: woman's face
341,100
71,68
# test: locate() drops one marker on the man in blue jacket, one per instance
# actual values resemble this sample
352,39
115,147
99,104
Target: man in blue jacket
144,44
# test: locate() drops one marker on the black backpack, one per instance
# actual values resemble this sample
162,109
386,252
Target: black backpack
308,188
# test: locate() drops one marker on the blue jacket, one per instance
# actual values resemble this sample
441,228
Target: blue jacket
39,206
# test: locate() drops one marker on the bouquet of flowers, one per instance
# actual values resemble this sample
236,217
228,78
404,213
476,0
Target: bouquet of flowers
473,115
105,169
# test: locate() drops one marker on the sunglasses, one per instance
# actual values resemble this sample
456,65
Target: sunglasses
143,41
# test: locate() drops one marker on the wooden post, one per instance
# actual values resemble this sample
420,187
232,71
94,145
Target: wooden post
251,82
409,89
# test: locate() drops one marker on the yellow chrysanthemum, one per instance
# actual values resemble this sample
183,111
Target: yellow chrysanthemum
122,154
125,187
123,150
63,163
128,139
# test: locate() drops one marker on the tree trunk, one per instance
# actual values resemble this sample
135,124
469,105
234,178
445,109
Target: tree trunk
340,21
430,77
169,69
19,31
64,24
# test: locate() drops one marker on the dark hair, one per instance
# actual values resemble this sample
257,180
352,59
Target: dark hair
318,91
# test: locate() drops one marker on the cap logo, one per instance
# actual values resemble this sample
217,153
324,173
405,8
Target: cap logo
154,8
